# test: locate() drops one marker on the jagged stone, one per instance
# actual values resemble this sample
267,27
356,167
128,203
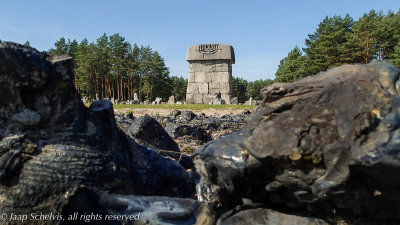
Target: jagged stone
266,216
51,144
187,115
146,130
326,145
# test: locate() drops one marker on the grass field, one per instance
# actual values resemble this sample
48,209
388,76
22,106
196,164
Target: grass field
187,106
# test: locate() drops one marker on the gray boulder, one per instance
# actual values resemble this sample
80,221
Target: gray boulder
61,145
266,216
325,145
146,130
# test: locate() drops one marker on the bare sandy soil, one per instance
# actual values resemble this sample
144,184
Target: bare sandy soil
165,112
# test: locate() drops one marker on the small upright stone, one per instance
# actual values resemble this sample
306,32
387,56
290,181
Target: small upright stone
171,100
158,100
234,101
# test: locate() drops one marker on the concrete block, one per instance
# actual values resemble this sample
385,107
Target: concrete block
226,97
203,88
191,78
200,77
214,85
193,88
190,98
217,77
225,87
209,76
213,91
208,98
225,77
198,98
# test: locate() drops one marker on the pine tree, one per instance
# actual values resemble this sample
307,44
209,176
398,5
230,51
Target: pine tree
394,51
239,89
179,85
254,88
292,67
363,40
160,78
83,69
326,46
144,74
396,56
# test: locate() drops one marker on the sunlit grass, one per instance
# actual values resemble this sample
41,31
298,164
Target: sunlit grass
180,107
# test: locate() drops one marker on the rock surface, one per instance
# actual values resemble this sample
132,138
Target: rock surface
51,144
322,150
327,145
146,130
191,130
266,216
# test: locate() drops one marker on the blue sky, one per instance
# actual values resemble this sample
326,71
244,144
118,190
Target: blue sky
262,32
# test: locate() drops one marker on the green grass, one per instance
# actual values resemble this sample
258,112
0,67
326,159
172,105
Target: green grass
180,107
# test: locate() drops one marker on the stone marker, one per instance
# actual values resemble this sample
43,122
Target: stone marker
135,97
158,100
210,71
234,101
171,100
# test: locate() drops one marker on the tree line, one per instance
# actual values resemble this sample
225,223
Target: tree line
243,89
340,40
113,68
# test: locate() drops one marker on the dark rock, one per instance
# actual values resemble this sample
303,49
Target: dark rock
175,113
266,216
124,122
51,144
191,134
187,115
326,145
149,132
178,130
146,130
129,115
137,209
201,116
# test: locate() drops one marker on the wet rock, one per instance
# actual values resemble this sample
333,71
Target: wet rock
187,115
191,134
54,144
266,216
133,209
146,130
175,113
326,145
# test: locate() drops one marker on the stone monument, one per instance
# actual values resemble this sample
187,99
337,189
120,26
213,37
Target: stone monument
210,72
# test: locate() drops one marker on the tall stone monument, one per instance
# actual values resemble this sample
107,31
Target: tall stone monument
210,72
